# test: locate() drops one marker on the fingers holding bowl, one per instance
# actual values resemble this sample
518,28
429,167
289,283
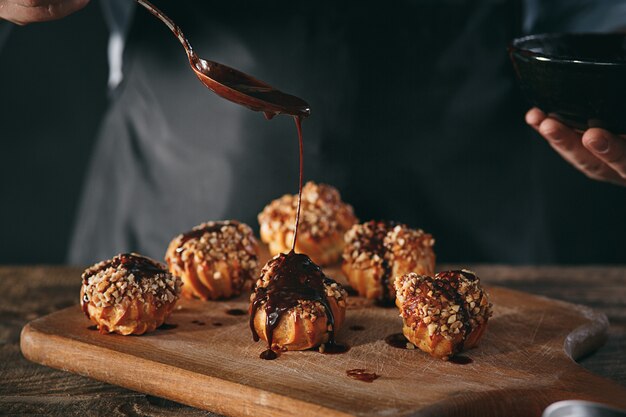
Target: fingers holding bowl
569,143
610,149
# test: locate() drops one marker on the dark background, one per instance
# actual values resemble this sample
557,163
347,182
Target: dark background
52,100
53,95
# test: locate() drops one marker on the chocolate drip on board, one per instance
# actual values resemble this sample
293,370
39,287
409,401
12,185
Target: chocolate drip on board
362,375
397,340
236,312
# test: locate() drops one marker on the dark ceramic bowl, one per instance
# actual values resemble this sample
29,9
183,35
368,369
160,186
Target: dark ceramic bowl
579,79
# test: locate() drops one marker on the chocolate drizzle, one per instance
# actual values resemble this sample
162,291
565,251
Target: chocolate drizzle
298,121
448,284
140,266
376,245
294,278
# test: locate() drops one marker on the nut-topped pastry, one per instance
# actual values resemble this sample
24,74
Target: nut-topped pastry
445,314
215,259
323,221
128,294
378,251
294,306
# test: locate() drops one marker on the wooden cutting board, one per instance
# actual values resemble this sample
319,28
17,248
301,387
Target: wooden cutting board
206,358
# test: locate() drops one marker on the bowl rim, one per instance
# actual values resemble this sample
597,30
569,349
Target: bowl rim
515,47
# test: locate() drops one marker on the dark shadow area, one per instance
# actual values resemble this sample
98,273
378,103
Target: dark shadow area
52,97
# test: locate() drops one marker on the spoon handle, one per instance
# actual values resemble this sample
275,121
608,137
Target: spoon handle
170,24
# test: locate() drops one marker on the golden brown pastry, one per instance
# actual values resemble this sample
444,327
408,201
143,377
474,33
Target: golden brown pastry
128,294
214,259
443,315
324,219
294,306
377,252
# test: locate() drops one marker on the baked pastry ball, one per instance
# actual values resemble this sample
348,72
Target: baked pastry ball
294,306
377,251
214,259
128,294
324,219
443,315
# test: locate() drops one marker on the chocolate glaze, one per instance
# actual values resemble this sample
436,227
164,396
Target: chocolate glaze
294,278
236,312
199,232
397,340
449,285
140,266
376,245
362,375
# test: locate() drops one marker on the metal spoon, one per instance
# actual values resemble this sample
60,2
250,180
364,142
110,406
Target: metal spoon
232,84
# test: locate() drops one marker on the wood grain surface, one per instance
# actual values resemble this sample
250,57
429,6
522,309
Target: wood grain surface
521,366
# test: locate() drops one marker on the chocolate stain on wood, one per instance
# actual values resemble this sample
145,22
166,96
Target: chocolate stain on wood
362,375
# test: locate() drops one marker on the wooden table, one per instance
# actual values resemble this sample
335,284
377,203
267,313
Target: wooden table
30,292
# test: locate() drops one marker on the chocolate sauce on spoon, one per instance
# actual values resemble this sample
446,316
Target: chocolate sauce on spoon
232,84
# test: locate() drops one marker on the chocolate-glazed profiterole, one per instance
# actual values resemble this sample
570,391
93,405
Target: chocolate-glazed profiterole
128,294
325,218
443,315
378,251
294,306
214,259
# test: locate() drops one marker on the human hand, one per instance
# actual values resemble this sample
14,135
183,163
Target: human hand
597,153
22,12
